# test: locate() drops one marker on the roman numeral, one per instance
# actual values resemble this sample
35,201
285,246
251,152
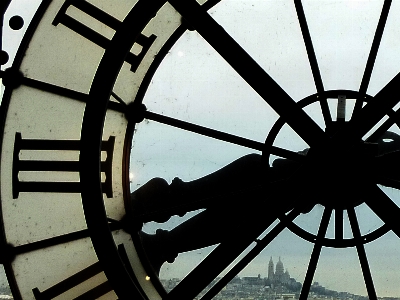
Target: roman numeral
73,281
19,166
63,18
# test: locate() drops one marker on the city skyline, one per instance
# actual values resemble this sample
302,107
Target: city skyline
270,288
333,263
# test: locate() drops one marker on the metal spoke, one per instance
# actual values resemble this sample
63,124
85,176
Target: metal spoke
312,266
116,97
372,55
219,135
68,93
339,224
261,244
383,207
220,258
369,283
250,71
57,240
313,61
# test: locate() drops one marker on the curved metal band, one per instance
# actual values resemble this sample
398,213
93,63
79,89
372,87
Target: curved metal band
91,136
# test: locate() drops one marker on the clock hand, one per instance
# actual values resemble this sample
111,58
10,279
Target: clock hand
247,216
251,224
210,227
158,201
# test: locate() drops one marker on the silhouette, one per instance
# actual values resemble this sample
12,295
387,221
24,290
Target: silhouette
229,197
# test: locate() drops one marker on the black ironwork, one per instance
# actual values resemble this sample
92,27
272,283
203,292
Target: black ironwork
248,223
313,61
369,283
384,127
339,224
261,244
124,256
73,281
57,240
64,92
91,136
222,136
383,207
290,112
338,241
312,266
372,55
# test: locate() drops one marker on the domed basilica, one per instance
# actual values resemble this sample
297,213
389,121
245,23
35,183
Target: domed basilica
279,276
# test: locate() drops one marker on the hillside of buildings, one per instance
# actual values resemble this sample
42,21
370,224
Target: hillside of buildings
278,285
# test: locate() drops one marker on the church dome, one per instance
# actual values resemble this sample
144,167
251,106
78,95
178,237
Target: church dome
279,268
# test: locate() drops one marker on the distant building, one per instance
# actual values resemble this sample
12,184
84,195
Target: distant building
279,276
254,281
271,270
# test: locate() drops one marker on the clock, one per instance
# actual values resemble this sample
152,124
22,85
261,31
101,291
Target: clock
79,120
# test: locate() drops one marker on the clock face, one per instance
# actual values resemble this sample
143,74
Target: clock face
117,116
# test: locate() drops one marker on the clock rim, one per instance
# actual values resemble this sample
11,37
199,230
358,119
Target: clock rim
91,136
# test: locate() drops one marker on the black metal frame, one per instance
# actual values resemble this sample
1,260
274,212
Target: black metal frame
246,67
91,135
291,113
219,40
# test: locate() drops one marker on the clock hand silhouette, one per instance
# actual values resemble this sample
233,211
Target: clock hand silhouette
234,192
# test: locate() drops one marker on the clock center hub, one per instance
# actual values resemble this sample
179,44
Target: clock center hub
340,176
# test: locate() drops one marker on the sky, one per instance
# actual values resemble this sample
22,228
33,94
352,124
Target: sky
204,90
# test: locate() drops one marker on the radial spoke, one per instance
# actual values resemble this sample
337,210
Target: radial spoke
250,71
383,207
68,93
372,54
57,240
369,283
215,263
116,97
313,61
339,224
261,244
219,135
54,89
312,266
